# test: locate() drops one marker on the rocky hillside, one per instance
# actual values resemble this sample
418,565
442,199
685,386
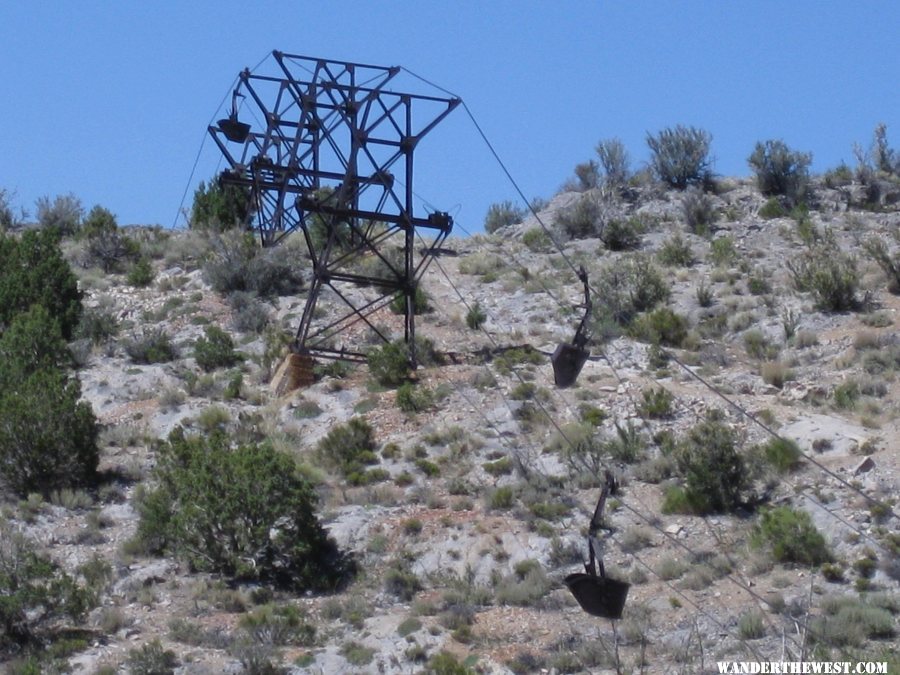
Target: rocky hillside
742,388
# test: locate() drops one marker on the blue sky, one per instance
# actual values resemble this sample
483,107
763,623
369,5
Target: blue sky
110,100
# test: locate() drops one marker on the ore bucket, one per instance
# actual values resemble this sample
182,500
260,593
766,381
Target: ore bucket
567,360
598,596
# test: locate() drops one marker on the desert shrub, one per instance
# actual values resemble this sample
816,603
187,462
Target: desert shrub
32,342
587,175
48,437
349,447
525,587
757,344
420,302
475,317
236,262
244,512
33,271
780,170
751,626
676,252
629,286
614,162
220,206
584,218
152,659
215,349
790,536
772,209
775,373
889,264
414,399
537,240
34,593
618,234
783,454
722,251
249,313
502,214
278,625
152,346
680,156
105,244
389,364
63,214
848,622
829,273
697,210
885,158
662,326
715,477
141,273
656,403
401,581
8,218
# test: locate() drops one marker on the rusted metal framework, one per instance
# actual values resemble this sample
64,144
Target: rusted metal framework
324,148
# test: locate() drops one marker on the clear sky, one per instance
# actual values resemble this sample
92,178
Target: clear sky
110,100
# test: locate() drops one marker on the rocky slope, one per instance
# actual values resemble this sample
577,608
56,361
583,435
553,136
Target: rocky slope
464,546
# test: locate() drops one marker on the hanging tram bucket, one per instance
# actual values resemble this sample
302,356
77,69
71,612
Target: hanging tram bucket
567,361
598,596
234,131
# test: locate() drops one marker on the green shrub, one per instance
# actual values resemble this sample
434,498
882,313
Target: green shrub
48,437
676,252
215,349
32,342
63,214
890,265
220,206
525,587
680,156
697,210
790,536
420,302
34,593
783,454
389,364
141,274
829,274
33,272
780,170
537,240
751,626
661,326
714,473
349,447
614,161
772,209
656,403
627,287
244,512
475,317
721,251
502,214
588,176
152,659
585,218
621,235
98,324
236,262
105,245
153,346
413,398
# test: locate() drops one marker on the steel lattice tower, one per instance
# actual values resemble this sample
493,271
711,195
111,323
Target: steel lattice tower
331,155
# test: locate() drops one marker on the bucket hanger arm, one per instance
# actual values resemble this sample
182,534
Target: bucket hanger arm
581,337
610,486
